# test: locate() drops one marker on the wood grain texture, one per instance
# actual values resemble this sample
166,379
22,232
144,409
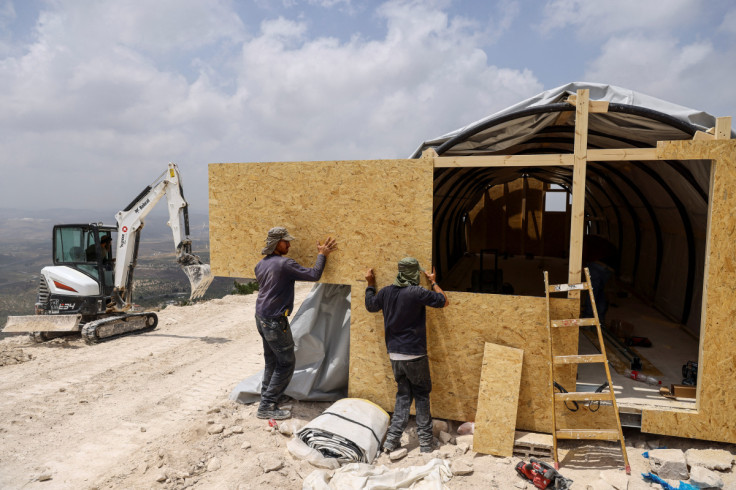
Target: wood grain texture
498,400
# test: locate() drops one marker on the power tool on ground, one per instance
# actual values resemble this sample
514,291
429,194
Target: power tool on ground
542,475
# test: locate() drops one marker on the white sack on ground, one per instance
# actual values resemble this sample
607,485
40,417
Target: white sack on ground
321,331
354,476
350,430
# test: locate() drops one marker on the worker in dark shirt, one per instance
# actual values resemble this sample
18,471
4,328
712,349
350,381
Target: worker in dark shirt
276,275
404,319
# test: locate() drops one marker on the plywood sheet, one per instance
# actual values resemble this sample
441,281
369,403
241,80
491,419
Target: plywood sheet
715,418
379,211
456,338
498,399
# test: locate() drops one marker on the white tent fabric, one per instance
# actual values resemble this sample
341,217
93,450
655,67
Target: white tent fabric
360,476
321,331
598,91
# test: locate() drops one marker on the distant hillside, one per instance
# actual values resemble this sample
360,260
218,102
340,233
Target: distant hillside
22,227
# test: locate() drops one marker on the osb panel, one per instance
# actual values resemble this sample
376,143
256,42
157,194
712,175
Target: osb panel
715,418
498,399
456,340
379,211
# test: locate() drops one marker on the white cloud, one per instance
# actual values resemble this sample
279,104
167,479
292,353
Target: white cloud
95,106
696,75
729,23
596,20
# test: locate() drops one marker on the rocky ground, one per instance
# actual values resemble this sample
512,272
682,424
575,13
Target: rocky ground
152,411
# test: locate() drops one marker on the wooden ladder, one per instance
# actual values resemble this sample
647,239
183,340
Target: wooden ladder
593,434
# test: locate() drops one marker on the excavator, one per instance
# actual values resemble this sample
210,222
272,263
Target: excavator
89,289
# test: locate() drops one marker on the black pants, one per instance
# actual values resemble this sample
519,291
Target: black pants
278,352
413,382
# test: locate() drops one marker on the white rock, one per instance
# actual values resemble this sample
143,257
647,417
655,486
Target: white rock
460,468
270,462
705,478
44,477
439,426
713,459
215,428
161,478
444,437
398,454
245,445
463,447
668,464
214,464
467,439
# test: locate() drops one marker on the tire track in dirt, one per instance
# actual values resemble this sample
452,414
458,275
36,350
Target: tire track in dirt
80,402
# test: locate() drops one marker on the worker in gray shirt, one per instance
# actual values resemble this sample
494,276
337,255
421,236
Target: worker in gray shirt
276,275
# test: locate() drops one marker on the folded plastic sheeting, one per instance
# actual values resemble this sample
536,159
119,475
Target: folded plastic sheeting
432,476
351,430
321,331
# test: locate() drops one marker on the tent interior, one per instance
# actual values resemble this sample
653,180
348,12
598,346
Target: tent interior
497,228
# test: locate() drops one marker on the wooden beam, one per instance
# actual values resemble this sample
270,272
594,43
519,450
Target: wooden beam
723,128
556,159
597,106
622,154
703,136
578,190
429,153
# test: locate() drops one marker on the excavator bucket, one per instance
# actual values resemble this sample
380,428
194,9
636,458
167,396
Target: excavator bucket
200,277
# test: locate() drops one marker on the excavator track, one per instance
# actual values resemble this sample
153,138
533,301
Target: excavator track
113,327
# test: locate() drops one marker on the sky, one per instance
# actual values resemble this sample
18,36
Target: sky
97,96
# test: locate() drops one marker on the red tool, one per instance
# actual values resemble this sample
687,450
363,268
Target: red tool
542,475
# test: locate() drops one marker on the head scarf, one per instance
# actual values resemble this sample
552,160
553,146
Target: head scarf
408,272
275,235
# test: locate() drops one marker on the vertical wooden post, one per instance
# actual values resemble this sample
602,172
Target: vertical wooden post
723,128
578,190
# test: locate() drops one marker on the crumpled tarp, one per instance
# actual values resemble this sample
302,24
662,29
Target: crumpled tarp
350,430
431,476
321,331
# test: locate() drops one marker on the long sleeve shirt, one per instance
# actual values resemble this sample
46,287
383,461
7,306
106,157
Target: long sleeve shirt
404,316
276,276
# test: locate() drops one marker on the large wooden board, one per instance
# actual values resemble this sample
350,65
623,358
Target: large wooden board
379,211
715,418
498,399
456,338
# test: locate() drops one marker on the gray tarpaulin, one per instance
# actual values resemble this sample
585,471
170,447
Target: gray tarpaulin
321,330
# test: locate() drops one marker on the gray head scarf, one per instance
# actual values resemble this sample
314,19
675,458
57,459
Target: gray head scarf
275,235
408,272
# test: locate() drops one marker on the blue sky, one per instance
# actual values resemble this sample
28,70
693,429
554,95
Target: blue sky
97,96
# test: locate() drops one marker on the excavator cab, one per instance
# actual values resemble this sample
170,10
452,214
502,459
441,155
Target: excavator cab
81,247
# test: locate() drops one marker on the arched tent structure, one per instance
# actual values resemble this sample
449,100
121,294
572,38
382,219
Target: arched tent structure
654,212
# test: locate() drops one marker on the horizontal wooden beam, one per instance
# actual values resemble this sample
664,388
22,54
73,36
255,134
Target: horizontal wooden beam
505,161
593,105
622,154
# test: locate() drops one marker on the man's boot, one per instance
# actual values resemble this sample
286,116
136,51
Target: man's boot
271,412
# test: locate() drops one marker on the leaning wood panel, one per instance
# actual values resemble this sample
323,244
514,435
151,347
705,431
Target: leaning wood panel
715,418
456,339
379,211
498,399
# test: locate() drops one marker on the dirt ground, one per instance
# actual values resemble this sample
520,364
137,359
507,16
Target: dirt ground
152,411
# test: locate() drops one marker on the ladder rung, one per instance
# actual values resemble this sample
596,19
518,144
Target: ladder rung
557,288
598,434
579,359
583,396
573,322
